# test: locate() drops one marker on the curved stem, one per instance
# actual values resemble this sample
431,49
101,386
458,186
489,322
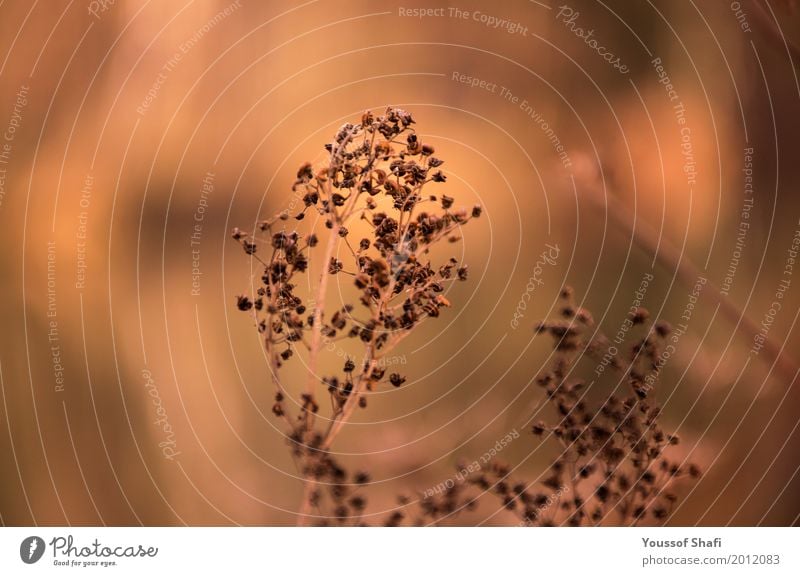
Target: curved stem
352,401
319,303
687,272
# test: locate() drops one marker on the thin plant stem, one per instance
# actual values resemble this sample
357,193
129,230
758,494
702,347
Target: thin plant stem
646,237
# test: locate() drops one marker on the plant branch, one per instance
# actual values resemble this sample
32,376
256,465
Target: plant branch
646,237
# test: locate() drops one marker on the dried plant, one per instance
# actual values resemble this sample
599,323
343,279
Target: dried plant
376,177
615,459
614,465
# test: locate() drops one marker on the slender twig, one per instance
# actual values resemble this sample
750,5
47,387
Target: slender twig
660,247
766,17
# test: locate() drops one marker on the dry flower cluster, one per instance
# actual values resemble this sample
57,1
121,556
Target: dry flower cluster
614,460
378,173
614,465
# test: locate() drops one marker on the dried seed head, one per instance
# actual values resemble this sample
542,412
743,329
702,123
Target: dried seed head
663,328
243,303
639,315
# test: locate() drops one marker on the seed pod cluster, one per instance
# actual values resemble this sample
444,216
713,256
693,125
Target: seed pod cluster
376,178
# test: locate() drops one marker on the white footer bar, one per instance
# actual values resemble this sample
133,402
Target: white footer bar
401,552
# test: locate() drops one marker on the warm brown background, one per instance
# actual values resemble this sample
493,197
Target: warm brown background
261,92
